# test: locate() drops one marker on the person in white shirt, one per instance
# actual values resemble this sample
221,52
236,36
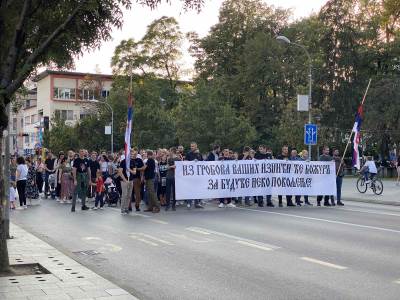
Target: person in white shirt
21,176
369,169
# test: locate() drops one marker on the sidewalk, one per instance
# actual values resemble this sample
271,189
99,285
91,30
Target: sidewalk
68,279
390,195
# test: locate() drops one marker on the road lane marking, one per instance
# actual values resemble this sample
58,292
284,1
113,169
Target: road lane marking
110,247
323,220
198,231
229,236
91,238
158,221
184,237
132,213
143,240
369,212
323,263
397,281
254,245
156,239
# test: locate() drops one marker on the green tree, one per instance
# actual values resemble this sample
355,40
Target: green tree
157,53
206,119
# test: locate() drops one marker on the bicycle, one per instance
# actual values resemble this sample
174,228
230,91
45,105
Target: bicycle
374,183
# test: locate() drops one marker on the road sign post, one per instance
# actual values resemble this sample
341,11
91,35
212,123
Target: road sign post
310,134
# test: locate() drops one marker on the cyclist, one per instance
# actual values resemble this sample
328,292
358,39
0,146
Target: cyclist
369,169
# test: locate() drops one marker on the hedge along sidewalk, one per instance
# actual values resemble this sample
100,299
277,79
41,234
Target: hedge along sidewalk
68,279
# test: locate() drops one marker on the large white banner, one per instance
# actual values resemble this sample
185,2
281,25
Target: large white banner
239,178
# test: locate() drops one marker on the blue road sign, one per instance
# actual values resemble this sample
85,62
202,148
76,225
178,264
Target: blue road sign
310,134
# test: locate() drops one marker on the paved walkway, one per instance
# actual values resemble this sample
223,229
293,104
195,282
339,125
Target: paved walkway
390,195
68,279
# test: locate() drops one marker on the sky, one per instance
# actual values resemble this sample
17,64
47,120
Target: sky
138,18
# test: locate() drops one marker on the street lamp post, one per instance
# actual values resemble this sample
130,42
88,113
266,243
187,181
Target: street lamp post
112,121
287,41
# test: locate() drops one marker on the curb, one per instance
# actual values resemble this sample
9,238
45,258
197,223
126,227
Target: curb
383,202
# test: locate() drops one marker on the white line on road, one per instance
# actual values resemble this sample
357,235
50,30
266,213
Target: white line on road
254,245
91,238
323,220
158,221
156,239
132,213
229,236
143,240
369,212
397,281
184,237
323,263
198,231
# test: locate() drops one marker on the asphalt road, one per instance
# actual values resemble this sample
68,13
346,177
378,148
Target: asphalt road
350,252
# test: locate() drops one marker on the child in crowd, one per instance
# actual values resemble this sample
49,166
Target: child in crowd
99,190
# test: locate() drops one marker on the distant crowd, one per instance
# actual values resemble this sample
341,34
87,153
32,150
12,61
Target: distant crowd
71,177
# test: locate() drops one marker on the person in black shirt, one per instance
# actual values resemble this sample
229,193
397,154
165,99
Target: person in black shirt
325,157
245,156
149,175
49,167
94,166
126,183
194,155
81,174
225,156
162,183
260,155
285,156
214,154
137,178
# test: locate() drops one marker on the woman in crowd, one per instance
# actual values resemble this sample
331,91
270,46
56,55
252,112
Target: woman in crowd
104,166
21,176
39,165
65,178
57,166
31,190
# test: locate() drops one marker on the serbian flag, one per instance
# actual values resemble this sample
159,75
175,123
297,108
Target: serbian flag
128,131
357,137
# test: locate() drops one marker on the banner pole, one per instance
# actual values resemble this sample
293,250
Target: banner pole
351,133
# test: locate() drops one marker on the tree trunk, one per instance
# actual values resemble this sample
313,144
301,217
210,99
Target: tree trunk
4,262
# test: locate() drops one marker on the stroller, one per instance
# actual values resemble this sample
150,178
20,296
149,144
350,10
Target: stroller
112,195
52,186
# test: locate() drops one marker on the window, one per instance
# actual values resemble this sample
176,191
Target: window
26,139
65,114
33,119
27,120
64,93
83,115
22,122
27,103
14,124
105,94
32,138
87,94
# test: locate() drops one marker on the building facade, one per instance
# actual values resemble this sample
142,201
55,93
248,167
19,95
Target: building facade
57,94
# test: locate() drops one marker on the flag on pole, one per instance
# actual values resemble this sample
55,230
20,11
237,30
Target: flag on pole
128,134
357,137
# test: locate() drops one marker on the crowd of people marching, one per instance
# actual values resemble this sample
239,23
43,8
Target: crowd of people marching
70,177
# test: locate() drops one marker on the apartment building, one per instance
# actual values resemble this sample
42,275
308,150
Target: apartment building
57,93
